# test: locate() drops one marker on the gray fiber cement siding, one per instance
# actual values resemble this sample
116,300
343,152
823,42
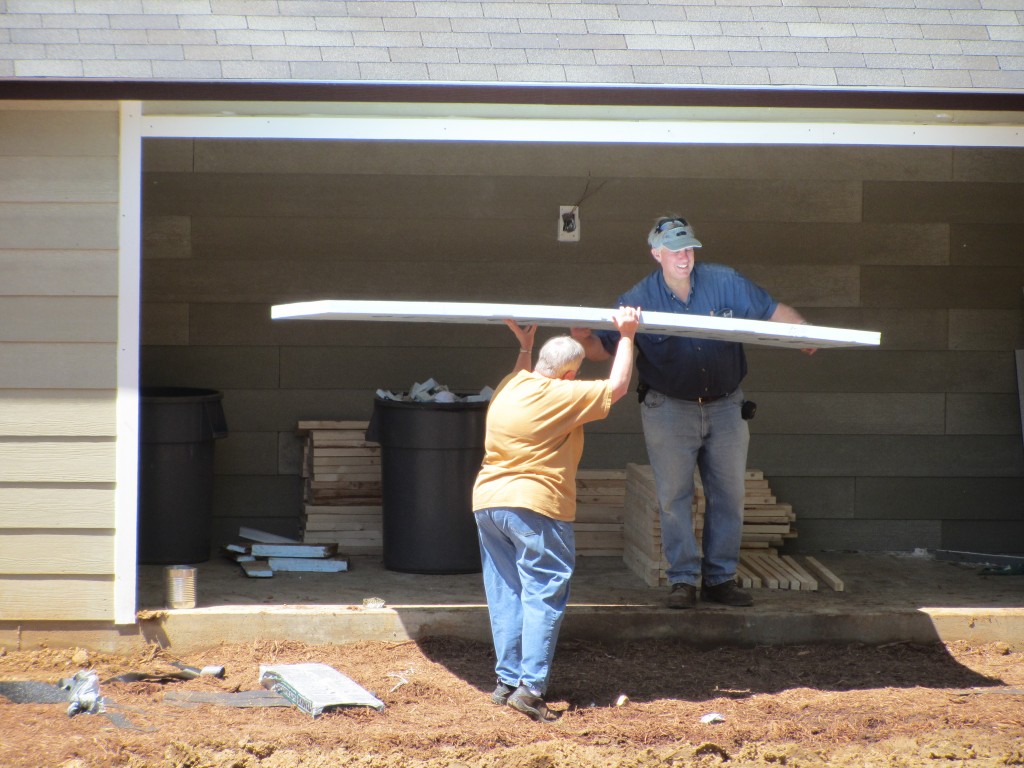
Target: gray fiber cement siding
914,444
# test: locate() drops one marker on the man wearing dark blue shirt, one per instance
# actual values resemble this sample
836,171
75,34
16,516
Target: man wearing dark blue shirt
691,409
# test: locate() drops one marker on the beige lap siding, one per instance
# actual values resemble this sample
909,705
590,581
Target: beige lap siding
58,360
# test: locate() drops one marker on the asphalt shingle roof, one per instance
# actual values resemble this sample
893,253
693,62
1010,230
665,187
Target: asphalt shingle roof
893,44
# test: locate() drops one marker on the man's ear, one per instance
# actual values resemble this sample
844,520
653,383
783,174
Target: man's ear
656,254
569,375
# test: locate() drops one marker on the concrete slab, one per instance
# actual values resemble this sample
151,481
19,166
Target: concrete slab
887,598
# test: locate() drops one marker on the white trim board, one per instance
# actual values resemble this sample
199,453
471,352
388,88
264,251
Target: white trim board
575,131
719,328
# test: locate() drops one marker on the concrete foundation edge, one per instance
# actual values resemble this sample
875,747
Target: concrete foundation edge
187,631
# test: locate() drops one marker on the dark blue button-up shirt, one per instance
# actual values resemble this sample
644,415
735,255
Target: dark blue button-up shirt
688,368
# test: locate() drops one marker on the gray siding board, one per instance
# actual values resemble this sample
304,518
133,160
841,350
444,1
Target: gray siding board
888,455
819,244
167,237
940,498
987,165
982,414
866,535
816,497
955,202
394,368
990,329
805,285
988,536
832,413
986,245
246,453
209,367
489,159
953,287
879,370
473,197
346,239
281,282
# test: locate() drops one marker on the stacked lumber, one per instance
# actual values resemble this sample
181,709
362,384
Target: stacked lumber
600,501
262,554
341,487
766,524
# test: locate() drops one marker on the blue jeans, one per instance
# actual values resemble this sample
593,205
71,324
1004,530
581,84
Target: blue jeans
528,559
681,435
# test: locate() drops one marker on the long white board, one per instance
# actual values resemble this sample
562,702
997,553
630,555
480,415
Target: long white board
668,323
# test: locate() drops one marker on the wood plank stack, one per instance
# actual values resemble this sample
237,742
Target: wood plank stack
766,524
341,487
600,504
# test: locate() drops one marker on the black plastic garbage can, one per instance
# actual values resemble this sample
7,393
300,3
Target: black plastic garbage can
177,428
430,456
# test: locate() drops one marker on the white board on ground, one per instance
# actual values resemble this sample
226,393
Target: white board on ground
666,323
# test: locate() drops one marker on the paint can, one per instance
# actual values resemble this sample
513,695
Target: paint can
181,586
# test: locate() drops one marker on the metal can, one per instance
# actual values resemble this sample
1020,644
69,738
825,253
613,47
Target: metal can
181,586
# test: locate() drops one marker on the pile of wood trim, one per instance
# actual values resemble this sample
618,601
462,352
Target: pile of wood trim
341,487
766,525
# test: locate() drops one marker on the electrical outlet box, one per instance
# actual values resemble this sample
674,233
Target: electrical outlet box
568,224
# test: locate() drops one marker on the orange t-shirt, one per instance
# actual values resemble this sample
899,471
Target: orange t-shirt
534,442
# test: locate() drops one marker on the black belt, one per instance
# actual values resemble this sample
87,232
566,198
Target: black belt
705,400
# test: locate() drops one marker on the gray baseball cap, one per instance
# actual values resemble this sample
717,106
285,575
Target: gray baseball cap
674,234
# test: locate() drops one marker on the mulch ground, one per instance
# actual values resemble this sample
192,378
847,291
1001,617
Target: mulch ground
636,705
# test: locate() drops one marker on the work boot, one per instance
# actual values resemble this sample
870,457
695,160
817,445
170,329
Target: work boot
501,693
682,596
531,705
727,593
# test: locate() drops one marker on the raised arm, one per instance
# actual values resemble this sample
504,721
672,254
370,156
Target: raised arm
524,362
627,319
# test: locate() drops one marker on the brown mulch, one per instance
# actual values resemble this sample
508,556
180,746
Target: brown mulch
636,705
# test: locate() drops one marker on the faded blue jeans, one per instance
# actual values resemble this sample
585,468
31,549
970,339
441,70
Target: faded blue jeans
528,559
681,435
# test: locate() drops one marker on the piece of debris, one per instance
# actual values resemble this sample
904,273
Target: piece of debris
336,564
84,694
210,670
622,701
315,688
373,602
430,391
712,717
240,699
262,558
256,569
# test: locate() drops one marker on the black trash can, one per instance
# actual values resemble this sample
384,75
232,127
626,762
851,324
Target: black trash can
177,428
430,456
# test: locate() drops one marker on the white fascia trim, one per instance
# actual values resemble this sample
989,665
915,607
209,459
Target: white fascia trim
577,131
127,409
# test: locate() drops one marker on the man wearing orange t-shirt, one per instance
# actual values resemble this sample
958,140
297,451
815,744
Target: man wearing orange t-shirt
524,501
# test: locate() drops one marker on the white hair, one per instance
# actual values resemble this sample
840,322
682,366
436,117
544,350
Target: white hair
558,355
